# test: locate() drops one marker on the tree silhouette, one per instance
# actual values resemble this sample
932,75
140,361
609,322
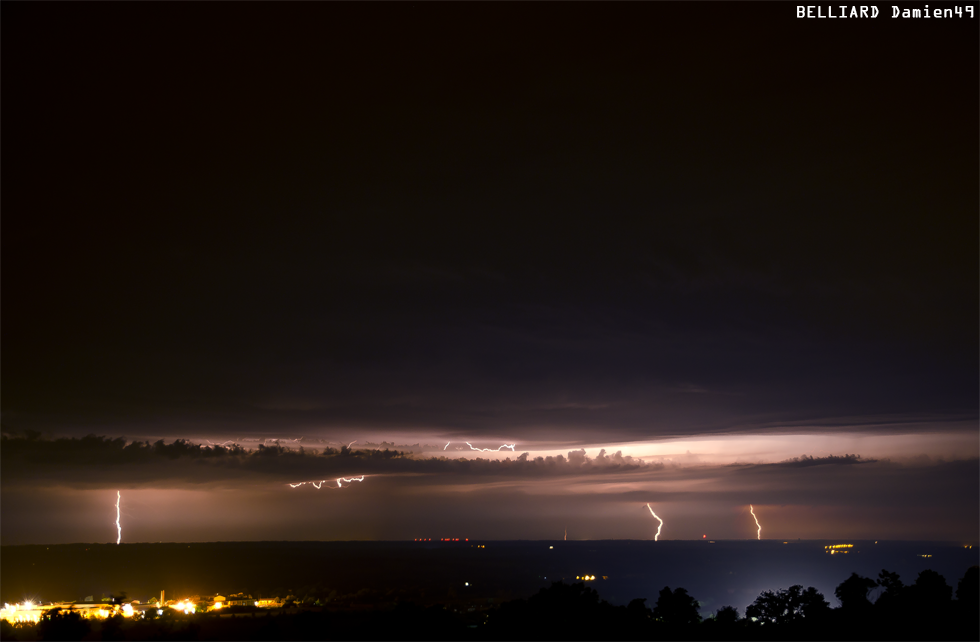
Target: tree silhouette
968,588
931,590
676,608
891,582
562,611
112,628
853,592
726,615
638,613
894,598
813,606
7,630
788,605
63,625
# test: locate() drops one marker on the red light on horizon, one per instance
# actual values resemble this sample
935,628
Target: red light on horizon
704,537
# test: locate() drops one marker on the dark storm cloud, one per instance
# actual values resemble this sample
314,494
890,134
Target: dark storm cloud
65,490
807,461
885,485
880,484
487,229
848,480
92,462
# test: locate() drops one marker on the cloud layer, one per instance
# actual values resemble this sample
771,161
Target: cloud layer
61,490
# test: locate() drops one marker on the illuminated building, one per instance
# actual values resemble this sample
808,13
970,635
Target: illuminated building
240,599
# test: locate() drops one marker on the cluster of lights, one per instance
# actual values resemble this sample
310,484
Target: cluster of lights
28,611
587,578
838,548
20,612
450,539
184,606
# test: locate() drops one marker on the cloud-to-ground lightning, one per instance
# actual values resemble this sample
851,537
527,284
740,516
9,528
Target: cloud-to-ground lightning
351,444
340,482
490,450
447,445
661,525
118,525
759,534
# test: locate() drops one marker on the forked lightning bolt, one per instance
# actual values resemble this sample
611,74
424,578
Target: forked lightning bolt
661,525
340,482
759,534
118,525
490,450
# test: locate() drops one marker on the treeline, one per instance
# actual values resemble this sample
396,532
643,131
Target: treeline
882,609
870,609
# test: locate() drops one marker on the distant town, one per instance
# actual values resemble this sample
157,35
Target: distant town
32,612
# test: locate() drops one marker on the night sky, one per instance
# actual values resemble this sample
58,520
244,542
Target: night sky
694,255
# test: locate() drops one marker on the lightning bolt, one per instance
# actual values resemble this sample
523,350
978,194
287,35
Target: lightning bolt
655,537
118,525
319,484
759,534
351,444
221,444
490,450
447,445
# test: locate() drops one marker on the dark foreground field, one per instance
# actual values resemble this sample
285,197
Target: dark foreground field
565,612
427,573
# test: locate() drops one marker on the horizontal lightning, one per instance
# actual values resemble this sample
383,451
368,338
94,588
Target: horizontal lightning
340,481
490,450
